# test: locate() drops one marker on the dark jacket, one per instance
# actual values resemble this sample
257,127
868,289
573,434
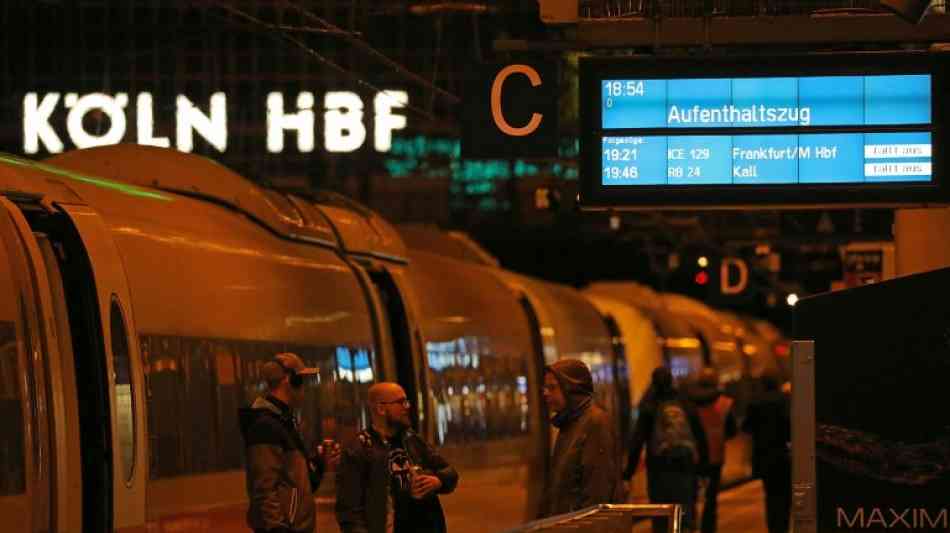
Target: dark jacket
768,420
280,477
363,485
715,411
585,464
643,430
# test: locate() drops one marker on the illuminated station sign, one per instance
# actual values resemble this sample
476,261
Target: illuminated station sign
345,117
806,130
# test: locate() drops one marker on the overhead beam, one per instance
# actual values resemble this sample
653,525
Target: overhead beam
739,31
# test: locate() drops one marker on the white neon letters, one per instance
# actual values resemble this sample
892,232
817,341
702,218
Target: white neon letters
113,108
344,129
213,128
386,122
36,126
144,122
278,121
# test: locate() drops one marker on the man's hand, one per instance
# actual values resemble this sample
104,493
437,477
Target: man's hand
328,453
423,485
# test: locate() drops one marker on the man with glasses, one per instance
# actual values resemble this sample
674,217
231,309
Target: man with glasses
389,477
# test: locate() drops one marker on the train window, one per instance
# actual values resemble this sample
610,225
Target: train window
197,426
229,398
12,459
124,394
197,385
480,394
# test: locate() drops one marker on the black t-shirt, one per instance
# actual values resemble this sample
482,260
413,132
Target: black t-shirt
411,515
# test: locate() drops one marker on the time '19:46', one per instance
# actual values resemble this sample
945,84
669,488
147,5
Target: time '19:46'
621,172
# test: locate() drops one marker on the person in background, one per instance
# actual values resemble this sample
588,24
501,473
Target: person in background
282,474
676,445
768,420
389,478
585,461
719,423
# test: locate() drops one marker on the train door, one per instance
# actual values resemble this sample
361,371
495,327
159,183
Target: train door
395,321
621,379
107,366
124,374
27,497
538,471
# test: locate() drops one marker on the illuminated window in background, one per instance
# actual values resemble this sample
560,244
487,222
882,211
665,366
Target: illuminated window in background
479,394
125,404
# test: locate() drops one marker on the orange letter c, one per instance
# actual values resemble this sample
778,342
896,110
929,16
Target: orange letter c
496,112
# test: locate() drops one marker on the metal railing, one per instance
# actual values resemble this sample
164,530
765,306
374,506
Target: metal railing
605,518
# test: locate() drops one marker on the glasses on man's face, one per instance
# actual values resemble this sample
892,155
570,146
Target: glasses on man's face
402,401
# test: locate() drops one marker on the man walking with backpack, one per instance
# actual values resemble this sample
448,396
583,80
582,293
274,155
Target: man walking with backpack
676,445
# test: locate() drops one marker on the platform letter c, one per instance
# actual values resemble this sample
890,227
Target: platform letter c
496,112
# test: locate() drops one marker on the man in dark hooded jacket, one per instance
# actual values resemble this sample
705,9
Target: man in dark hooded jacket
585,464
672,432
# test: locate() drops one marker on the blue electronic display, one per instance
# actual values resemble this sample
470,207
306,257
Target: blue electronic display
667,157
774,130
766,102
766,159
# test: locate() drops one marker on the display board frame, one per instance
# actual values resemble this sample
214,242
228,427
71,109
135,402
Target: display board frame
593,195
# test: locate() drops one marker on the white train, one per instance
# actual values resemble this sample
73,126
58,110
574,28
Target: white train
143,288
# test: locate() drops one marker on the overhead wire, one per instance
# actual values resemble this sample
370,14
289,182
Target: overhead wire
366,47
355,77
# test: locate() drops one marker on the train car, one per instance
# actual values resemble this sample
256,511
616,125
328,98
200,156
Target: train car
680,342
208,276
778,345
166,281
484,369
566,323
719,339
693,336
755,347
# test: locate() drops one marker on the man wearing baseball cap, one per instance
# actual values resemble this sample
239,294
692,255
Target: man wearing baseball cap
281,474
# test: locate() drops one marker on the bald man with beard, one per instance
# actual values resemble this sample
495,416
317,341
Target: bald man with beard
389,478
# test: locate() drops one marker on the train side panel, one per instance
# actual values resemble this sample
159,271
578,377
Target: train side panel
483,384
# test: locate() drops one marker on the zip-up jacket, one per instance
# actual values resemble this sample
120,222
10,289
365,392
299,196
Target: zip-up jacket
364,491
280,477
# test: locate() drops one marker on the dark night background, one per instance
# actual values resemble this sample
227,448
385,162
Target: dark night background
521,210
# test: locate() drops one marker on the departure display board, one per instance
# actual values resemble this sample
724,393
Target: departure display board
803,130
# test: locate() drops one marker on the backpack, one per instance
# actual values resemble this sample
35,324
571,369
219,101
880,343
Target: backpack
672,436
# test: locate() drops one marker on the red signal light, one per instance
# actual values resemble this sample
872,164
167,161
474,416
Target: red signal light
701,278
